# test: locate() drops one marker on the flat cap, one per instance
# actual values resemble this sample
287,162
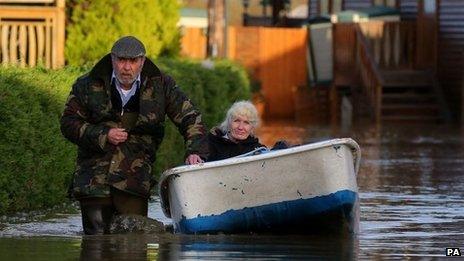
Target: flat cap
128,47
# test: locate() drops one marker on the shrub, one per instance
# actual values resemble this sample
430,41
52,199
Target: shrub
37,162
95,25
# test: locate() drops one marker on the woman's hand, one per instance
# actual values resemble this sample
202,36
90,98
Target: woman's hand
193,159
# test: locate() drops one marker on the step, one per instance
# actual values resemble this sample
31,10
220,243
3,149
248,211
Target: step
410,109
408,97
412,119
410,78
407,88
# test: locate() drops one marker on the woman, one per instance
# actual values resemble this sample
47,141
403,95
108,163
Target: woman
235,135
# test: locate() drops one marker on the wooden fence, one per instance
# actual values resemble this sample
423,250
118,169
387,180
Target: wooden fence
193,42
32,32
275,57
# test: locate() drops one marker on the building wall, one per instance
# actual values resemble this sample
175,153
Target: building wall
356,4
408,9
450,51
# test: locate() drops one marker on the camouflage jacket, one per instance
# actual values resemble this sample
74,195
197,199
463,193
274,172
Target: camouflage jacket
88,116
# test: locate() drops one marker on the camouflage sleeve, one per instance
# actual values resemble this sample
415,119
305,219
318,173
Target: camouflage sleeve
77,129
187,118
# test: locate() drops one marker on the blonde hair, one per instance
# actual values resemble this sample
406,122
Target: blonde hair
241,108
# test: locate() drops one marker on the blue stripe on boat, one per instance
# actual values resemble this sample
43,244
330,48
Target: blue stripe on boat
271,216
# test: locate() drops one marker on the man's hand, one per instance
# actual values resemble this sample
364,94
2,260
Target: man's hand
117,135
193,159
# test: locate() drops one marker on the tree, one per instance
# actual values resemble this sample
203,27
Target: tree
216,28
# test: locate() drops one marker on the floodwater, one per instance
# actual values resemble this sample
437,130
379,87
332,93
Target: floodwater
411,185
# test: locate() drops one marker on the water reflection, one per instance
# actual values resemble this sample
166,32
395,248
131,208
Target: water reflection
410,185
179,247
119,247
260,247
40,248
411,191
215,247
411,194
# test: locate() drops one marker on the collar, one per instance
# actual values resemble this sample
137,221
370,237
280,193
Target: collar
218,134
135,84
103,70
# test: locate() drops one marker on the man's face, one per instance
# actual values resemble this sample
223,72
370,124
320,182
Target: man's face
127,69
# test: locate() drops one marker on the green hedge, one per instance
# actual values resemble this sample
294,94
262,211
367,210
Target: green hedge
93,27
37,162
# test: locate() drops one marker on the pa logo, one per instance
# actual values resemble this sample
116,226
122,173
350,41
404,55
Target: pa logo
453,251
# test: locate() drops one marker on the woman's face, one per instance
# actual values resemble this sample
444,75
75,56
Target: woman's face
240,128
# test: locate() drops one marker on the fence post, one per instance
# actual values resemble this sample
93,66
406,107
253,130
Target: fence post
60,33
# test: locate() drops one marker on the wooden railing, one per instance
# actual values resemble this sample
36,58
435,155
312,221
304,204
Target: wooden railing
392,43
32,32
382,45
371,79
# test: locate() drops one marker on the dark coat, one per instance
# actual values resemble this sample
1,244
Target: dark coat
90,113
222,148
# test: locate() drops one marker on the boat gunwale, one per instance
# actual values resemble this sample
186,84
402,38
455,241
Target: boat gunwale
165,177
271,154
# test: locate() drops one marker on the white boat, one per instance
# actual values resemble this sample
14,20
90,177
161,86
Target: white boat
296,190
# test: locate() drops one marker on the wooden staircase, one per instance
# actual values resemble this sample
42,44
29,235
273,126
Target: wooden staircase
393,89
409,96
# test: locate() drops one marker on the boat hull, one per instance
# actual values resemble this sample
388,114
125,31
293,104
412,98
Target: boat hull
328,213
297,190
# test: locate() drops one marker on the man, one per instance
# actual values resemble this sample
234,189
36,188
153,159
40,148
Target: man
115,114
